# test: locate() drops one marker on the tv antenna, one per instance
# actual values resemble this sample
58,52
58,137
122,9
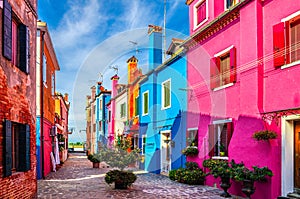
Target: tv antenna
115,68
100,77
135,44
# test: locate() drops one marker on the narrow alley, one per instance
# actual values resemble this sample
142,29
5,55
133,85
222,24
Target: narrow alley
77,179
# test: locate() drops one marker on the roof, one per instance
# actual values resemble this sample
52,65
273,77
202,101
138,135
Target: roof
132,59
175,44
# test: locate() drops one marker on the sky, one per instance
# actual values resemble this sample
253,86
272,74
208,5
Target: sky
90,36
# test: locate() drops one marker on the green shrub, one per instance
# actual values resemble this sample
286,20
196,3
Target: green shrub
191,177
190,151
191,165
122,177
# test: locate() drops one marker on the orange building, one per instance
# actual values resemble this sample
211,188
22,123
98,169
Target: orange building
134,77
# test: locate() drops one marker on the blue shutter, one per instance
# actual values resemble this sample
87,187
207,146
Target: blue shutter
24,148
7,148
7,31
24,48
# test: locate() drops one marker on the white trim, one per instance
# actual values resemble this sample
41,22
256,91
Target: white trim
143,102
196,16
161,142
219,158
192,129
290,64
222,121
163,107
224,86
226,50
291,16
287,151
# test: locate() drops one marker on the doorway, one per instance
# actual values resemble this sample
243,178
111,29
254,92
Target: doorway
165,151
297,156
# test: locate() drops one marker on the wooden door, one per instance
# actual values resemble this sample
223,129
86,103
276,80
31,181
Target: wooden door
297,155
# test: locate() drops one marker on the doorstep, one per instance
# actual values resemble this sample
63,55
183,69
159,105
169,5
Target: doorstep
293,196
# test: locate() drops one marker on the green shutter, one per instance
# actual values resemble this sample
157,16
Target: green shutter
167,94
146,103
24,148
7,30
24,48
7,148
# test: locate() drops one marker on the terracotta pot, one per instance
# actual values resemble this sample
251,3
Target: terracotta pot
96,164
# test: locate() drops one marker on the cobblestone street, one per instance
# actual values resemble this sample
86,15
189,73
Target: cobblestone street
77,179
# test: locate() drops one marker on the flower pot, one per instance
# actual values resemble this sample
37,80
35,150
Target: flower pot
96,164
222,153
225,185
248,188
120,185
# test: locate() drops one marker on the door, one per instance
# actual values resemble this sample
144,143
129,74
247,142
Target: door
165,151
297,156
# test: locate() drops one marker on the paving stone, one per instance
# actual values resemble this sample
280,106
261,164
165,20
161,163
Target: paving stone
77,179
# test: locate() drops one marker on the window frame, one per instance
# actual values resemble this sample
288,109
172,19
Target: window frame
122,110
163,105
144,141
145,107
228,7
188,136
282,55
215,69
215,137
136,106
195,13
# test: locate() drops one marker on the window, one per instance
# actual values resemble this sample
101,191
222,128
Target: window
44,68
223,68
230,3
145,102
286,38
15,39
136,106
100,126
100,104
123,110
17,147
109,116
166,94
143,144
192,137
200,13
53,84
219,137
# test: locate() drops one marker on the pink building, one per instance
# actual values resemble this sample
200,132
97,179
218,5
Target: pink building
243,74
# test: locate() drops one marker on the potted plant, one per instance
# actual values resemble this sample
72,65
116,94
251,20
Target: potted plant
190,151
192,174
220,168
222,150
95,159
248,177
264,135
120,158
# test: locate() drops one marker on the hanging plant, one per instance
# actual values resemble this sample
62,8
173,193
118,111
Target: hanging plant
264,135
190,151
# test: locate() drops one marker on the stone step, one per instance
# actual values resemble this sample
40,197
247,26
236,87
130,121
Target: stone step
293,196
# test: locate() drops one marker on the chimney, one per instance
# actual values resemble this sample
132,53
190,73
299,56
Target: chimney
93,92
66,97
99,88
114,79
155,46
132,67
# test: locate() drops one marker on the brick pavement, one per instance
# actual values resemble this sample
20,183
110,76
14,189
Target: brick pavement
77,179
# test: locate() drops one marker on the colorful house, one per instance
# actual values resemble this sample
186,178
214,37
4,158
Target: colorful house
163,106
132,126
88,125
243,69
18,99
62,106
101,112
46,66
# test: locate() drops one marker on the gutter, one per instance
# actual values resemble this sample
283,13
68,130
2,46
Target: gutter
42,41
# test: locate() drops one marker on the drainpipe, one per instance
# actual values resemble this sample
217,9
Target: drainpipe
42,41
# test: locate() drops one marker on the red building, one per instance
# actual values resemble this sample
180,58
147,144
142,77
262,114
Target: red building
17,99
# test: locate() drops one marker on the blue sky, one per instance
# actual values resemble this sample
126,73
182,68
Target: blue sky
91,35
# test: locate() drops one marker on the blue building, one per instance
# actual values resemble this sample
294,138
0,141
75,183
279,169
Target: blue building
102,98
163,107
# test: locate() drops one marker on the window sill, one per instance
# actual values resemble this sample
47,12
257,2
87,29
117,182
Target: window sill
145,114
291,64
224,86
164,108
219,158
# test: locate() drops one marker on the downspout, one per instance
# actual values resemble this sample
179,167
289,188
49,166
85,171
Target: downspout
42,41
